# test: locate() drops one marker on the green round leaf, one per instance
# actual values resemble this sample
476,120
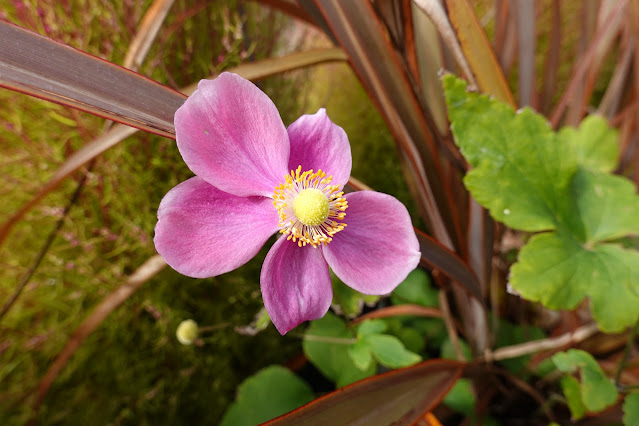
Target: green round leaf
389,351
269,393
597,391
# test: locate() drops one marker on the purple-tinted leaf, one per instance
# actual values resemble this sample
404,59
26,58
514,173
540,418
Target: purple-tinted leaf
273,66
480,243
551,67
477,50
617,89
527,37
430,60
146,34
314,12
399,397
581,83
438,257
362,35
390,11
41,67
291,8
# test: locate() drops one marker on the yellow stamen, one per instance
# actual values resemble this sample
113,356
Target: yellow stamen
308,207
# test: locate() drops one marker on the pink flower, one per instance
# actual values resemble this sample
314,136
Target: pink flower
254,177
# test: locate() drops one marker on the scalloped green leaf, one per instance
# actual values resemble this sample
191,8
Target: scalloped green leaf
607,205
448,350
560,272
461,398
504,147
597,391
411,338
594,144
534,179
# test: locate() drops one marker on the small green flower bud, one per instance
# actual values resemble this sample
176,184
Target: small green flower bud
187,332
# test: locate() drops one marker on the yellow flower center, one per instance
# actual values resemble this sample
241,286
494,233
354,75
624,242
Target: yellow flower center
309,207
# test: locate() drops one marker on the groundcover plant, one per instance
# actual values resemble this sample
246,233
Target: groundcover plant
505,292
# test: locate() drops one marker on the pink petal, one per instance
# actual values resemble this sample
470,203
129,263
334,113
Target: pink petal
203,232
231,135
318,143
378,247
296,284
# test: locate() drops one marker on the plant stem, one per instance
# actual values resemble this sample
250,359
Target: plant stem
213,327
327,339
580,334
450,327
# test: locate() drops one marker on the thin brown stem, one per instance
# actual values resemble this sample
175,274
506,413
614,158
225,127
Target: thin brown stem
214,327
580,334
450,325
408,309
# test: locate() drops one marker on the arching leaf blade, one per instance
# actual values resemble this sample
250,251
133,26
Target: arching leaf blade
361,34
437,256
478,52
44,68
273,66
397,397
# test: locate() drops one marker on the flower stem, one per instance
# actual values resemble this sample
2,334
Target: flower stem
214,327
327,339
